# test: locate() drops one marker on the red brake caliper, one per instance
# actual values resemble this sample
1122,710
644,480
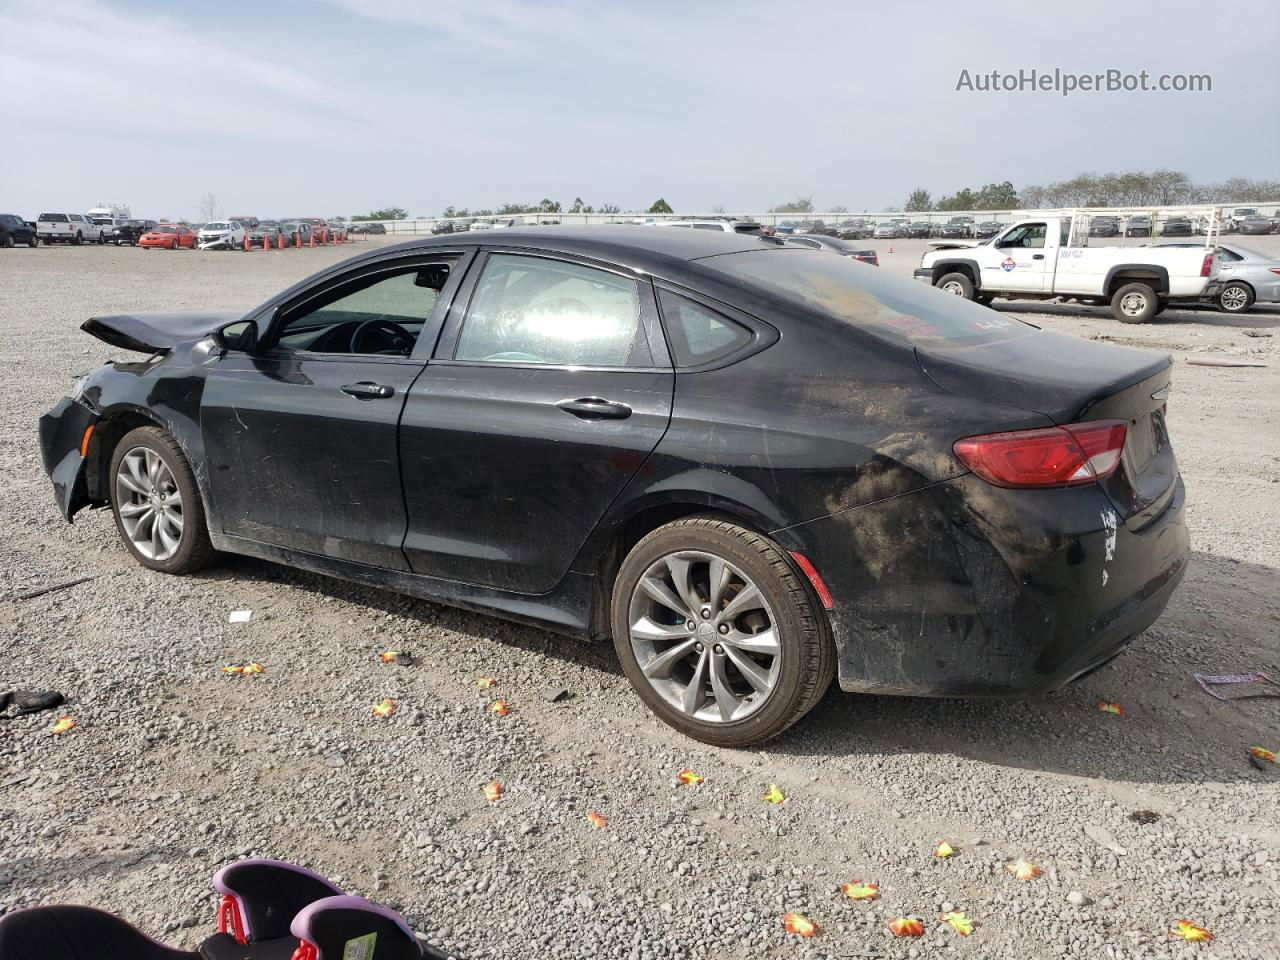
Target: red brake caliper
229,919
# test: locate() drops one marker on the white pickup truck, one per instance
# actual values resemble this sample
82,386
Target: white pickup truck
1048,257
69,228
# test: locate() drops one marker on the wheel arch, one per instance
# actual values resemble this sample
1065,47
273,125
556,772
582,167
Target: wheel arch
107,434
603,553
1123,273
957,265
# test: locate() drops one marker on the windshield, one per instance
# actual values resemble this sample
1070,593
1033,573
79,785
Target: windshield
164,228
219,225
867,298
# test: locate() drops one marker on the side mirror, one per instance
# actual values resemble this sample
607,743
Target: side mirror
241,335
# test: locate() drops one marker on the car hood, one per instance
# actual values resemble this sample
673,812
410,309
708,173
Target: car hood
953,244
156,332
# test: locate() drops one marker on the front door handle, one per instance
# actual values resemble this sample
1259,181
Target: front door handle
365,390
595,408
1037,256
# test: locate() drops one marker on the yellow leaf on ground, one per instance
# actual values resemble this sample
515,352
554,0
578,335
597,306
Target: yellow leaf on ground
1263,754
799,924
1186,930
597,821
1023,870
774,795
492,791
1112,708
387,708
861,891
959,923
484,683
62,726
906,927
499,707
944,850
689,778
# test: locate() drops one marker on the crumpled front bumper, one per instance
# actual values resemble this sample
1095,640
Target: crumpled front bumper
62,435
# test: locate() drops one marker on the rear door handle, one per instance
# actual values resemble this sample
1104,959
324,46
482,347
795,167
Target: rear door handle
1037,256
365,390
595,408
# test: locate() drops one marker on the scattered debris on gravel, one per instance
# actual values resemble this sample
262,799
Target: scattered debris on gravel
572,824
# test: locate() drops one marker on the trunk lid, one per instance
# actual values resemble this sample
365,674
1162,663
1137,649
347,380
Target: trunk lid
156,332
1072,381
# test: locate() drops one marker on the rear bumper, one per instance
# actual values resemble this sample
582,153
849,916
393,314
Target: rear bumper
963,590
61,433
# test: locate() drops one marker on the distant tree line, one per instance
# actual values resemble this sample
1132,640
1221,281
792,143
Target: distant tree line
1134,189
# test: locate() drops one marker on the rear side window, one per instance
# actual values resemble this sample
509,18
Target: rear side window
698,334
867,298
538,310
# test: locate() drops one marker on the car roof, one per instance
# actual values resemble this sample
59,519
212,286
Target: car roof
623,242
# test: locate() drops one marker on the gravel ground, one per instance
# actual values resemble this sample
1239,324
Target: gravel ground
175,768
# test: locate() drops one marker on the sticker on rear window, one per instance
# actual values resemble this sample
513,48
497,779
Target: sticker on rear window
360,948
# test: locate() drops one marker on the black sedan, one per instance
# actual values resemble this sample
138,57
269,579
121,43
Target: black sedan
1104,227
756,467
130,231
1138,227
14,230
1178,227
920,230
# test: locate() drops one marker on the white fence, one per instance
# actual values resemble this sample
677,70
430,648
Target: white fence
935,217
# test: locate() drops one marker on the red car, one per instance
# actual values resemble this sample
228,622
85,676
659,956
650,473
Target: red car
169,236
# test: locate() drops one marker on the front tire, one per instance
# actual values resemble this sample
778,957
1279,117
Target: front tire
956,284
718,633
156,503
1235,298
1134,303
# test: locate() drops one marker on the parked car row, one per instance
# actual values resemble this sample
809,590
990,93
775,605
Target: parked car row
466,224
232,233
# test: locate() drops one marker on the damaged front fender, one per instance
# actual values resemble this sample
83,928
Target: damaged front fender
63,438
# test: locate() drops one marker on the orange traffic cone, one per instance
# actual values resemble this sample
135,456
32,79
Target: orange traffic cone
891,246
247,245
313,238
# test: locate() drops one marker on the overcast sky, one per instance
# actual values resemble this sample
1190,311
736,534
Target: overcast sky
308,107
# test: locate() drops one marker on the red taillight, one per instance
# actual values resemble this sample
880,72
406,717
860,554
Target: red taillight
1051,457
1207,266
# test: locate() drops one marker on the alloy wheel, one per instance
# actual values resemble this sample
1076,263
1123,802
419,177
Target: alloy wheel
150,504
704,637
953,288
1234,298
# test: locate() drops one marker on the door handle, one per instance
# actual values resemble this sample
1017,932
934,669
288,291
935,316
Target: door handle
1037,256
595,408
364,390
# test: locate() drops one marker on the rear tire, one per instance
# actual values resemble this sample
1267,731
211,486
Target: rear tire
790,670
1134,303
1235,298
150,445
956,284
8,241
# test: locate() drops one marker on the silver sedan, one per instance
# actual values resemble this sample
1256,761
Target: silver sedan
1248,277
